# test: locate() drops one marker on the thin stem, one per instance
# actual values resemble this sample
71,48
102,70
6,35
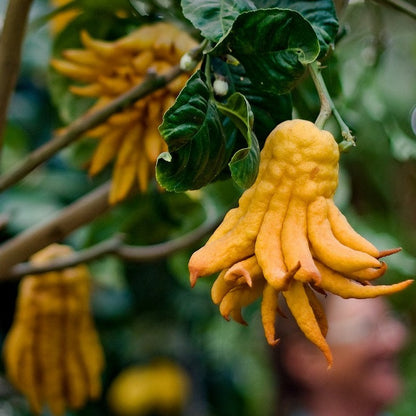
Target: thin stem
328,107
106,247
11,40
81,212
162,250
208,74
198,52
116,247
85,123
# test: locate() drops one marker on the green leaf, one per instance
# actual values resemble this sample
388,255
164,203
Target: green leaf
214,17
320,13
245,162
198,145
268,109
273,46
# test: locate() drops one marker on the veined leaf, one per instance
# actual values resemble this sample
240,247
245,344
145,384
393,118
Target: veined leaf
269,109
245,162
214,17
320,13
199,148
273,45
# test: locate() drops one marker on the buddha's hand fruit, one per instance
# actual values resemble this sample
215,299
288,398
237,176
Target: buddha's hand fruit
106,69
52,353
288,225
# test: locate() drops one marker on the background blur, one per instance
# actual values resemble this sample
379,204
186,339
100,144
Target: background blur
147,312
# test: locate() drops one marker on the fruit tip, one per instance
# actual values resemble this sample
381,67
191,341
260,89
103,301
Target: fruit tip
193,276
226,316
274,342
329,359
389,252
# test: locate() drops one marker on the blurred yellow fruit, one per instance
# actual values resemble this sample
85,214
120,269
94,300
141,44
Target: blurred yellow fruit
60,21
52,353
162,387
104,70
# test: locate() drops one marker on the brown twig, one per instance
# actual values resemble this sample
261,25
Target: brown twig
106,247
115,246
11,40
81,212
85,123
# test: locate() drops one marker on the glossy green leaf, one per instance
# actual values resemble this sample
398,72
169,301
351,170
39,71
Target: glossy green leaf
269,109
320,13
197,142
273,46
214,17
244,163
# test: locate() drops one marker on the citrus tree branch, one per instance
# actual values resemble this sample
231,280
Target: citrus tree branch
81,212
83,124
106,247
115,246
11,40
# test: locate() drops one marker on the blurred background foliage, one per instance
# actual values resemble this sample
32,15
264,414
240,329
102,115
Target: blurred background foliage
147,312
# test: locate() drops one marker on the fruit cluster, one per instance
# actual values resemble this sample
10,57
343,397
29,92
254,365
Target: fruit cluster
110,68
52,353
288,237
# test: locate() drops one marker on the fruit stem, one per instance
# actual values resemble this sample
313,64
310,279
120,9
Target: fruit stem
328,108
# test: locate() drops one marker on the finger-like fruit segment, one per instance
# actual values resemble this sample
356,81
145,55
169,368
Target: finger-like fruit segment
318,310
268,246
295,243
221,287
371,273
336,283
105,150
247,269
327,248
239,297
345,234
299,305
269,308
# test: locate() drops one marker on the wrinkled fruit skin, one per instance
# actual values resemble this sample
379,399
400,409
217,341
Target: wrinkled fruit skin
109,69
52,353
287,237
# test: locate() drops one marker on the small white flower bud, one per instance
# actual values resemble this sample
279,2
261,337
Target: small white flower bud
187,63
220,87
